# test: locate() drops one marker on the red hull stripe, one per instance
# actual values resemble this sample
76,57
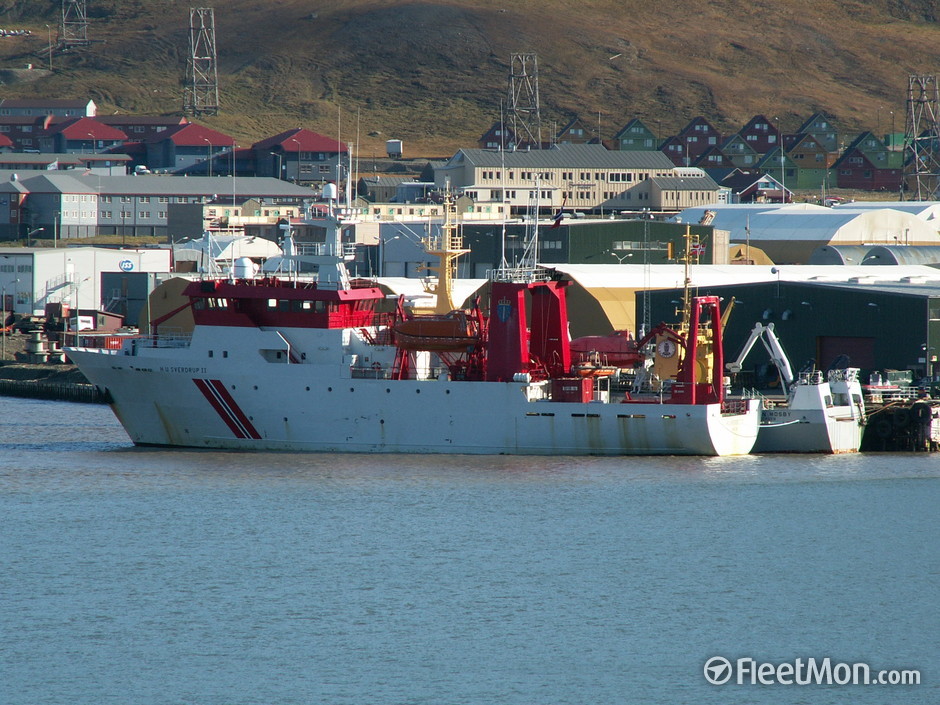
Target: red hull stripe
235,409
225,406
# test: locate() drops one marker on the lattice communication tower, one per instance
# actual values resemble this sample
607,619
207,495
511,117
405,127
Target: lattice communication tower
921,179
201,95
525,117
74,29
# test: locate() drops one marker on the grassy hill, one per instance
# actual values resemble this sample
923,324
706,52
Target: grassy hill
434,74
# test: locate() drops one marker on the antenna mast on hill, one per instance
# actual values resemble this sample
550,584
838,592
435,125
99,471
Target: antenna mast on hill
73,31
201,95
921,158
525,117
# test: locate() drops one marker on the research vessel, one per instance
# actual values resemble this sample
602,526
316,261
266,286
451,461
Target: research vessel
332,364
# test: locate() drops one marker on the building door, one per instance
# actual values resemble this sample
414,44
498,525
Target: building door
860,351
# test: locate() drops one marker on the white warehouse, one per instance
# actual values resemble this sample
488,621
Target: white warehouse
30,278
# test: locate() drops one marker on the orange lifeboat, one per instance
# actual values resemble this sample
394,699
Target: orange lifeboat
451,332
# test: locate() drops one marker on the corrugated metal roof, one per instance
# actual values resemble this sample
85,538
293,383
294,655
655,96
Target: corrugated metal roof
808,222
927,210
671,276
574,156
61,182
685,183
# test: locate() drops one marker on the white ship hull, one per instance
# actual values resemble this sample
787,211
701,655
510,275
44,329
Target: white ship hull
832,430
167,397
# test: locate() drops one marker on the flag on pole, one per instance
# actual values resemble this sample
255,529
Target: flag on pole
559,215
698,249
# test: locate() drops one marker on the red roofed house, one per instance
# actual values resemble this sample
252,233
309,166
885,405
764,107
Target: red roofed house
141,127
301,156
80,136
189,149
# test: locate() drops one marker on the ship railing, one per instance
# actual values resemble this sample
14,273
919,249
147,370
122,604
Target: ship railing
379,371
885,394
734,406
518,274
312,249
178,340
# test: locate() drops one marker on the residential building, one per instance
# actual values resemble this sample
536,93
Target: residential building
760,134
499,136
31,107
697,136
778,163
301,156
752,186
811,160
64,205
80,136
823,130
223,214
714,158
188,149
140,128
104,164
575,132
740,152
686,189
636,136
867,164
582,176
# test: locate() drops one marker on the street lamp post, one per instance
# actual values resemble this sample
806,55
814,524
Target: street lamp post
783,178
297,166
208,155
49,32
280,163
620,258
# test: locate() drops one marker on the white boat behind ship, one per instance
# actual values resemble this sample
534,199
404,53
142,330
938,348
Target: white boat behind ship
819,413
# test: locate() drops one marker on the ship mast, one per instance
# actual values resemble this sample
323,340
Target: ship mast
447,246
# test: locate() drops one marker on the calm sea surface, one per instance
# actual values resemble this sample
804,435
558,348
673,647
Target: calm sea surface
135,576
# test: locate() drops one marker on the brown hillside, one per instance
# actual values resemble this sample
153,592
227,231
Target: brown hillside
435,73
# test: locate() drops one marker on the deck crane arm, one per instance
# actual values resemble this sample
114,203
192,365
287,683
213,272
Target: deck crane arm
774,349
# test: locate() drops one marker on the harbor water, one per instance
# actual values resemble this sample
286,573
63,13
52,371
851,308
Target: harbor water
148,576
